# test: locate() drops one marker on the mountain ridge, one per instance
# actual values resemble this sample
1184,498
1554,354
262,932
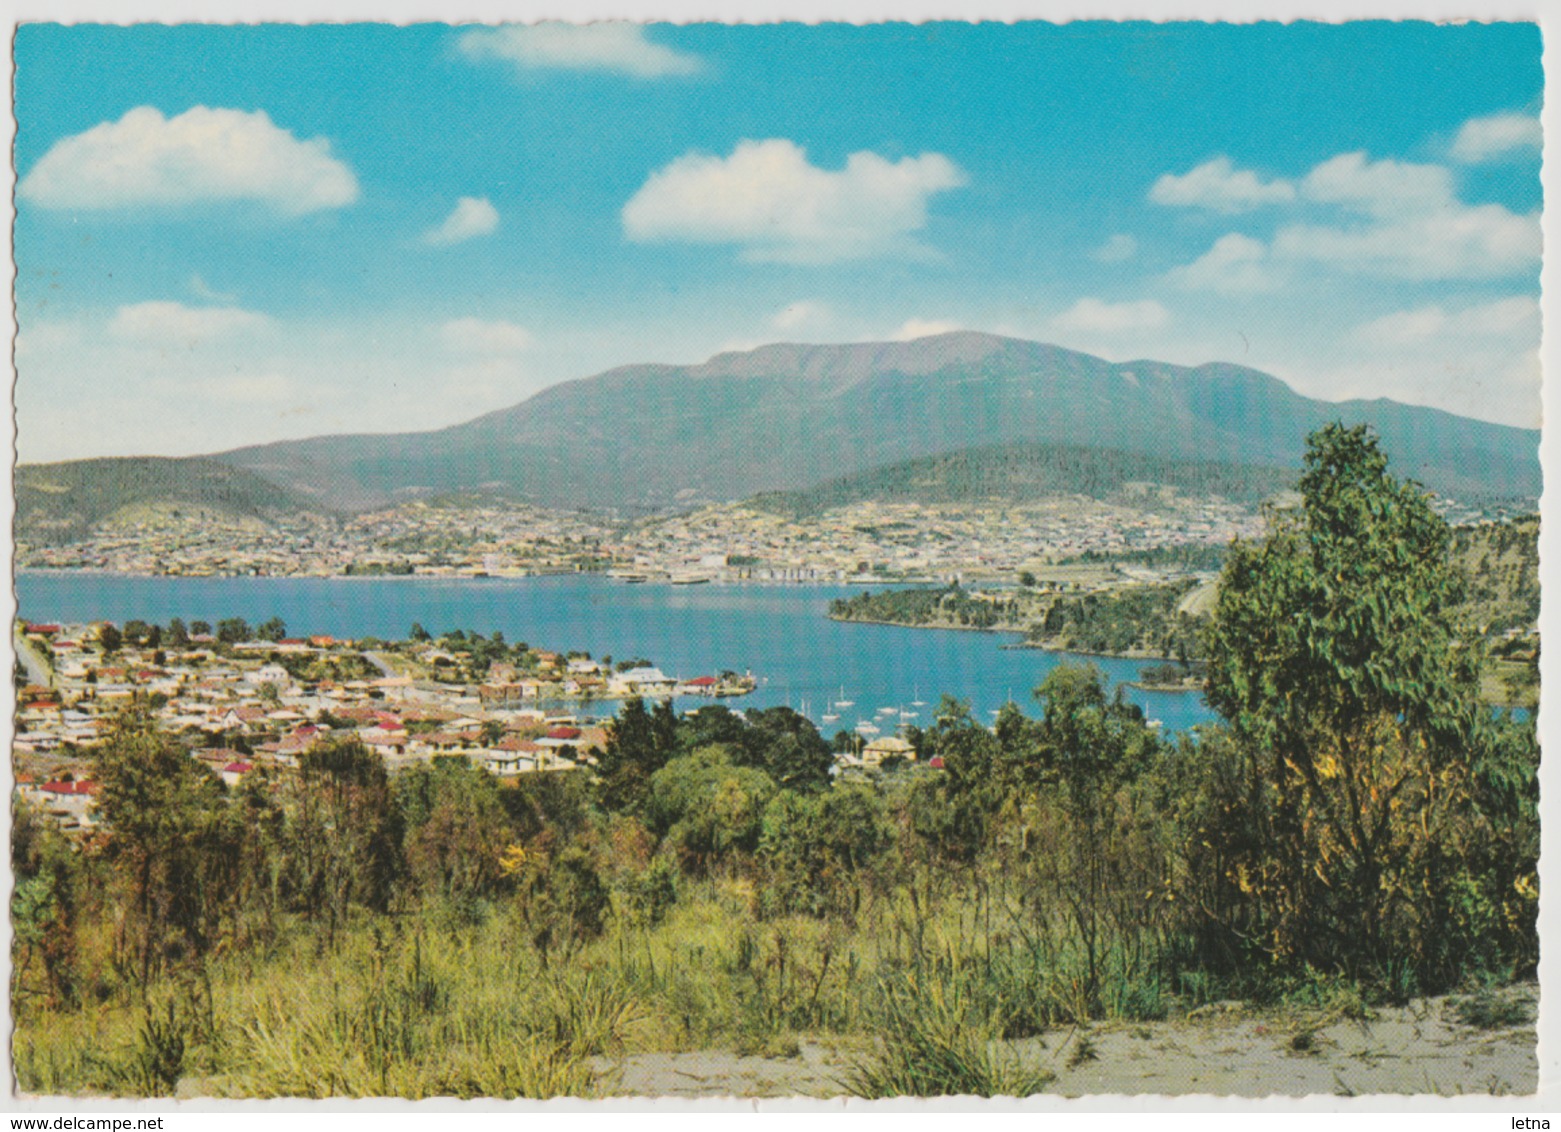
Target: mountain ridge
655,437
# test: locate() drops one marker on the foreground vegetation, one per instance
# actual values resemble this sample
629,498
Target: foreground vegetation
1361,831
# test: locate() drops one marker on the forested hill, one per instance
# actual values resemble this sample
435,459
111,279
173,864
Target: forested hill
1021,473
1501,564
58,503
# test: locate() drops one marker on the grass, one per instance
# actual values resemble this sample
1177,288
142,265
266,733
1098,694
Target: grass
472,1010
1488,1009
936,1045
916,1002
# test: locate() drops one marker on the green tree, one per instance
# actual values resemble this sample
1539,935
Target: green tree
173,844
706,807
273,629
1335,656
1088,746
786,746
109,638
639,743
50,882
345,836
232,629
456,828
952,812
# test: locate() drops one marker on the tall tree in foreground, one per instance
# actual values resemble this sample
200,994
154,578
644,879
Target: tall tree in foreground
1353,698
639,743
172,843
345,832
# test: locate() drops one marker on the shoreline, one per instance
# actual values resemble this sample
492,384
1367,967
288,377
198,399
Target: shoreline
797,583
906,625
1140,685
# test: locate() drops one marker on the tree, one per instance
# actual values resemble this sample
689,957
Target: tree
1086,747
200,628
273,629
418,633
109,638
1353,699
232,629
51,879
1086,741
173,844
786,746
345,836
456,828
639,743
952,811
178,635
706,807
1026,579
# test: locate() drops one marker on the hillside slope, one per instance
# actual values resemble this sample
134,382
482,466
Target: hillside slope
60,503
1023,472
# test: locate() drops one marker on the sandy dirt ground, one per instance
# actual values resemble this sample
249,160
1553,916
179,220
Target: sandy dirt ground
1222,1050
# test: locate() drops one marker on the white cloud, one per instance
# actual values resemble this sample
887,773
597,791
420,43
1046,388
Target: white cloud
1116,249
1219,186
174,324
1384,188
1236,265
913,328
1401,220
613,46
83,390
1092,316
479,336
200,289
1417,228
1456,242
1517,315
1498,136
805,312
767,199
1479,360
471,217
205,154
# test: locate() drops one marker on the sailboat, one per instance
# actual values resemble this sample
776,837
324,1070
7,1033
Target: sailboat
842,702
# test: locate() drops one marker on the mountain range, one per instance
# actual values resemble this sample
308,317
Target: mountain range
646,438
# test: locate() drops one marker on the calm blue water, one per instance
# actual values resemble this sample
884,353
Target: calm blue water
781,633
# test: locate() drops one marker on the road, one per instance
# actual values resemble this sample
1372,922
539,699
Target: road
37,671
378,661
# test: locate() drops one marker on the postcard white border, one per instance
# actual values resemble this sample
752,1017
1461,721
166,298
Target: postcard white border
1186,1112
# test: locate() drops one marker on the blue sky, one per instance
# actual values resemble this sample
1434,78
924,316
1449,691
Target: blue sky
229,235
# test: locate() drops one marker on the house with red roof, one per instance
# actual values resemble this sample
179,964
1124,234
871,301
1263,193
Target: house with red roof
234,772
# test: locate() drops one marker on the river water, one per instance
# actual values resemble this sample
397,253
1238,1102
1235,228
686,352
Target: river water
802,658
